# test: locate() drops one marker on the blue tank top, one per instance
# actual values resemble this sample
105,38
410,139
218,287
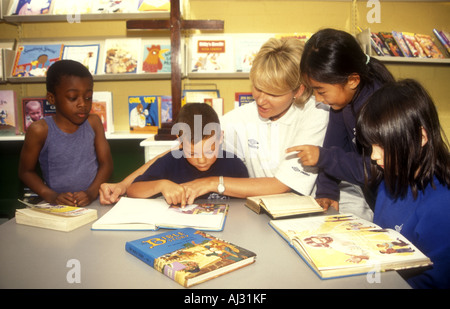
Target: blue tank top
68,160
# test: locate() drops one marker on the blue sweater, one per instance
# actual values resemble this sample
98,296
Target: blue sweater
339,157
426,223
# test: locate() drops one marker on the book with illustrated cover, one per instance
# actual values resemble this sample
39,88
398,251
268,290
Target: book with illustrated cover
343,245
166,108
154,5
413,45
156,58
122,55
8,113
390,43
63,7
33,110
155,213
242,98
443,39
113,6
398,37
245,49
102,105
283,205
190,257
85,54
302,36
55,217
378,45
27,7
144,114
34,60
212,54
429,47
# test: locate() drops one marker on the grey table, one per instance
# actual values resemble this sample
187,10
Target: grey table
39,258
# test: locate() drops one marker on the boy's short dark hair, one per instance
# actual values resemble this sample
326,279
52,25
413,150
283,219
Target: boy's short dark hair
65,68
200,119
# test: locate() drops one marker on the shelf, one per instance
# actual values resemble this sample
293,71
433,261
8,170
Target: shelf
391,59
110,136
99,77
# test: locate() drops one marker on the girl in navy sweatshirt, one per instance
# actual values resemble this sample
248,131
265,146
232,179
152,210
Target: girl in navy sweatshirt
342,76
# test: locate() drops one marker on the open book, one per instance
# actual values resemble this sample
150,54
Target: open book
283,205
152,214
189,256
343,245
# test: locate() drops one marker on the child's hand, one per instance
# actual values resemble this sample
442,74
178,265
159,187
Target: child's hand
82,198
308,154
66,198
174,193
326,203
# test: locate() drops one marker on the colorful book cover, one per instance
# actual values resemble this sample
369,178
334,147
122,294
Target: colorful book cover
85,54
242,98
398,37
378,45
62,7
414,46
113,6
154,5
8,113
156,58
443,39
302,36
34,60
144,114
390,43
212,54
166,109
245,49
32,7
102,106
427,43
189,256
122,55
33,110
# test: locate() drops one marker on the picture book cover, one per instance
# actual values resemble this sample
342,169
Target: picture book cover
155,213
33,110
34,60
343,244
102,105
154,5
156,58
166,108
32,7
113,6
190,257
212,54
442,39
242,98
122,55
143,114
85,54
413,45
245,49
62,7
8,113
390,43
429,47
398,37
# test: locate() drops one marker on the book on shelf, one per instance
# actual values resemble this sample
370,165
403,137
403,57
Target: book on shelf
212,54
190,257
35,59
154,5
283,205
166,108
156,57
398,37
144,114
8,113
122,55
102,105
413,45
199,95
216,104
113,6
390,43
63,7
85,54
443,39
155,213
55,217
378,45
35,108
27,7
242,98
302,36
429,47
343,245
245,49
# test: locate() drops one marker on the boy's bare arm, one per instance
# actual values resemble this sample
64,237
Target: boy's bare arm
29,156
173,193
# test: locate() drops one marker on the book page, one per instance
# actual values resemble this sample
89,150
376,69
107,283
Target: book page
289,202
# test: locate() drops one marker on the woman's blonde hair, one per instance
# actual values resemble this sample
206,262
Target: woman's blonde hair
276,68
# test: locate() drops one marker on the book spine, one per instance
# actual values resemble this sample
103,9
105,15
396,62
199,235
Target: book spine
442,40
139,254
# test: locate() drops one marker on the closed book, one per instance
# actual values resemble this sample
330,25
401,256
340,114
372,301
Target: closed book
189,256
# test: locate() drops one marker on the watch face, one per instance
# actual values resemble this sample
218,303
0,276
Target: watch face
221,188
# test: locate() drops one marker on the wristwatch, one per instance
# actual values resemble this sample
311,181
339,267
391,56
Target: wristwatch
220,187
